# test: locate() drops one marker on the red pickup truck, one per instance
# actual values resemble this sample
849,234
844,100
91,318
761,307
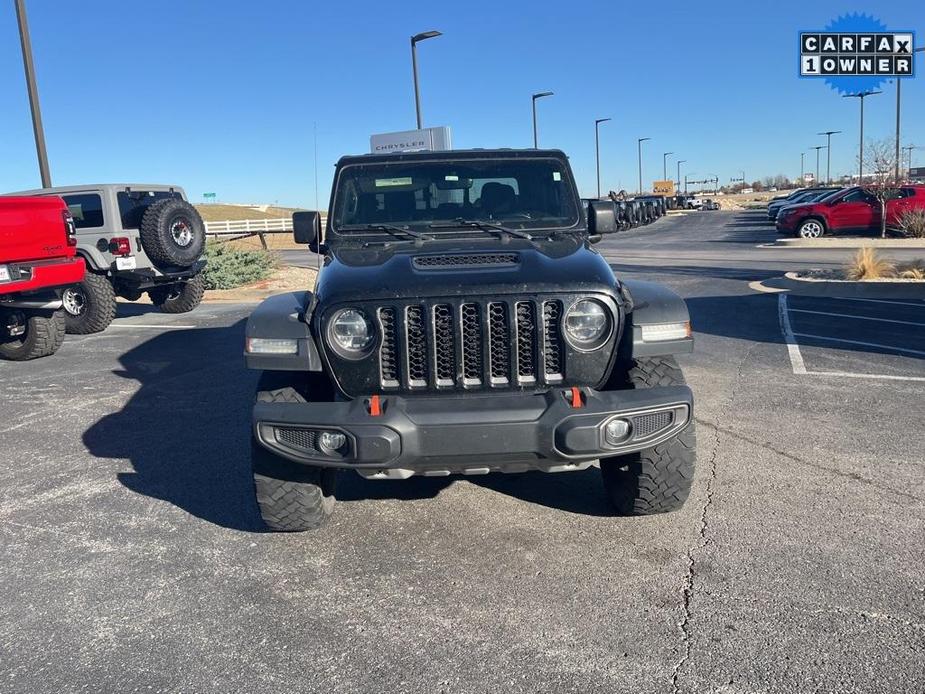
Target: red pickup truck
38,258
850,210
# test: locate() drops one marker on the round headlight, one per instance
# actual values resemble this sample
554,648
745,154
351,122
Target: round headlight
350,333
587,324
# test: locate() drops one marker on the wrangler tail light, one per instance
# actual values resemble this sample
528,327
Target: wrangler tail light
120,246
70,229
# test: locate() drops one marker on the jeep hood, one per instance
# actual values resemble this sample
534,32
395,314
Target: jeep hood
442,269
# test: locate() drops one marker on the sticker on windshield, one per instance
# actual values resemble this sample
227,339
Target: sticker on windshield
388,182
451,177
556,176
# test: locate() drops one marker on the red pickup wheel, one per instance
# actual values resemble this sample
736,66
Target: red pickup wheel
28,335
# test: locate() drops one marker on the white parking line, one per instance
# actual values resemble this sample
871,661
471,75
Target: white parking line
796,358
862,344
793,348
856,317
154,327
920,304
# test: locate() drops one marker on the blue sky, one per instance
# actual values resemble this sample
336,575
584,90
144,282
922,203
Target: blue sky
223,97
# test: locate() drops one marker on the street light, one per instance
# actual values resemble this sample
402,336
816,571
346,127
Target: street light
802,166
828,154
909,148
861,96
898,83
680,161
665,165
37,128
817,148
597,150
535,97
639,146
414,67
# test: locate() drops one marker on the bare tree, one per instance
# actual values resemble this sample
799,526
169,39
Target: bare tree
883,185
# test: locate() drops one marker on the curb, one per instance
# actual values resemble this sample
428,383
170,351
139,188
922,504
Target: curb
844,288
849,242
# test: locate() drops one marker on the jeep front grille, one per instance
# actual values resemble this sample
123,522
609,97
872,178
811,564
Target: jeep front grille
471,344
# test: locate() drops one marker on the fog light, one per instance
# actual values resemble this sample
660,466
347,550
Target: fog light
331,441
616,431
265,345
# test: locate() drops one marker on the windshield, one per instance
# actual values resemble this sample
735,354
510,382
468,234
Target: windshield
517,193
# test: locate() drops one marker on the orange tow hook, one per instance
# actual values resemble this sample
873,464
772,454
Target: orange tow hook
576,398
375,407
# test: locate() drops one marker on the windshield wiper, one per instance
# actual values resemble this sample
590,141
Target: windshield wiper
481,224
391,229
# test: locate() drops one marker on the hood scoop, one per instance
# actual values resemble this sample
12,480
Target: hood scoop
464,261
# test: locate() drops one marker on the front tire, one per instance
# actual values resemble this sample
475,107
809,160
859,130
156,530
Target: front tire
90,306
811,229
658,479
291,496
179,298
42,334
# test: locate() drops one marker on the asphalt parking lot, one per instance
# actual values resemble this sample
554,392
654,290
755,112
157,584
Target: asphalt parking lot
131,556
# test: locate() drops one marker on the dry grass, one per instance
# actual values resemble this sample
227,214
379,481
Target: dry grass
912,224
867,265
221,213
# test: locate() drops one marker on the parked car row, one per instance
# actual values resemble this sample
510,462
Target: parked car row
812,213
67,253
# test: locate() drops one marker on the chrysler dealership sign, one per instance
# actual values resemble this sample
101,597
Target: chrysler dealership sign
426,140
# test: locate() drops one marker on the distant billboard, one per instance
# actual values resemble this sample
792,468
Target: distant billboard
663,187
917,173
426,140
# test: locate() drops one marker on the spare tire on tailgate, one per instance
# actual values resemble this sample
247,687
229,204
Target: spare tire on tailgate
172,233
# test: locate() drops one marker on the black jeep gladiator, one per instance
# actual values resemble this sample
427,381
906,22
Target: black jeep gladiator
463,323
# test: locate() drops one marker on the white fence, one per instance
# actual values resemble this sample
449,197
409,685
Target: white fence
229,230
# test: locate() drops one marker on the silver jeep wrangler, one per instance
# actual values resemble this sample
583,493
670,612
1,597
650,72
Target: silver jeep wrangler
134,238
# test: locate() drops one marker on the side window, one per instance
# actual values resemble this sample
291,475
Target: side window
86,208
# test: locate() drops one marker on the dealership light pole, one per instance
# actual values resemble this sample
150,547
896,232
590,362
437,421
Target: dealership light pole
817,148
423,36
37,128
597,150
535,97
802,166
898,91
680,161
639,146
665,165
909,148
828,154
861,96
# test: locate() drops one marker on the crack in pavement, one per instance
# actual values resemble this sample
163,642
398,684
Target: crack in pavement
684,624
802,461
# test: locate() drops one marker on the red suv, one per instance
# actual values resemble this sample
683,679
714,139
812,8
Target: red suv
851,210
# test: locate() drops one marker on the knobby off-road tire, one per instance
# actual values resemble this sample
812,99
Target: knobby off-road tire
291,496
172,233
89,307
179,298
659,479
44,335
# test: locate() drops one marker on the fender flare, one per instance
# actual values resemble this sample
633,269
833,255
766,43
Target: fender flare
651,304
284,317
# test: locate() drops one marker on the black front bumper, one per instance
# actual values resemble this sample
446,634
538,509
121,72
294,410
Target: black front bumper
472,433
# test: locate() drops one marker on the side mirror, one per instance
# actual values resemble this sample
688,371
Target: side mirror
306,228
602,217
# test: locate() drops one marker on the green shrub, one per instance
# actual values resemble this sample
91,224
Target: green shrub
227,267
